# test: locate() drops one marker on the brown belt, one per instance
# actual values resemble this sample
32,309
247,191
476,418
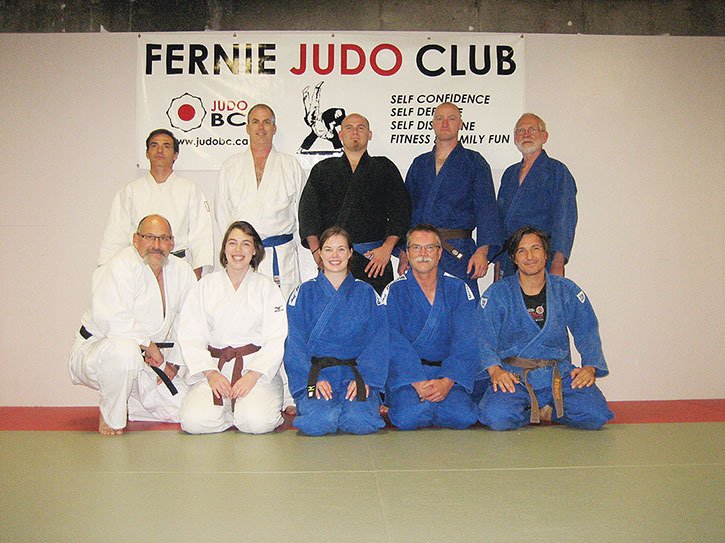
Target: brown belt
225,355
453,233
528,364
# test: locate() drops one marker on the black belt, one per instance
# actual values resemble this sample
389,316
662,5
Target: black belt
85,334
436,363
318,364
180,254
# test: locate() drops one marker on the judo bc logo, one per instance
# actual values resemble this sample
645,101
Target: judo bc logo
323,124
186,112
484,301
582,297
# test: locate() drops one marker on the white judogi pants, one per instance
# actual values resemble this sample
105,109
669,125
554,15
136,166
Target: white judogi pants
257,413
128,387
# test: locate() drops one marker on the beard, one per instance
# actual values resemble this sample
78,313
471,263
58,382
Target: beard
528,148
150,253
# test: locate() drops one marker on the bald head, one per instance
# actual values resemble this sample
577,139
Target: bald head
355,133
447,123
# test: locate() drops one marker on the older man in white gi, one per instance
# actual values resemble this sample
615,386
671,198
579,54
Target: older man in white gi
162,191
120,349
262,186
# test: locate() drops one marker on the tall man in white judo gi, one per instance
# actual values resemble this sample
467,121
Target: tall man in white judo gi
162,191
434,356
451,188
538,191
524,335
262,186
135,301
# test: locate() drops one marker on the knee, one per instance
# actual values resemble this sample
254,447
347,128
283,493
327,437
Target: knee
196,419
256,422
363,418
498,417
121,355
408,417
459,417
316,417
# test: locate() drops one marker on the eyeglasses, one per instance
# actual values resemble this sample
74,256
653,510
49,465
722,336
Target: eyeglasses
427,248
532,131
163,238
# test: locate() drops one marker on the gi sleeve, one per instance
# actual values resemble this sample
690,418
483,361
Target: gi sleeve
201,237
462,363
490,318
119,228
398,206
584,327
564,211
297,358
374,358
310,215
274,331
405,367
488,224
193,335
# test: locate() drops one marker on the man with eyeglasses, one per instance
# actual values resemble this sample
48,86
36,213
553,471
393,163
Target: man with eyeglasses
538,191
363,194
126,344
451,188
162,191
434,355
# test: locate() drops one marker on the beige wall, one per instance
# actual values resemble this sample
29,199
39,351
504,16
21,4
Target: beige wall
638,120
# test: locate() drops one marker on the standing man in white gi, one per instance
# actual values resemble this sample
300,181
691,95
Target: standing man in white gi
135,301
263,187
162,191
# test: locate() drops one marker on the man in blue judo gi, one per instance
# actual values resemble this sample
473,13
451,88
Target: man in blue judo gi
525,345
538,191
451,188
434,354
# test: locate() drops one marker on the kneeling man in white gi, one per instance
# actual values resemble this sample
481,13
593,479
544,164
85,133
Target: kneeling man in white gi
434,354
130,324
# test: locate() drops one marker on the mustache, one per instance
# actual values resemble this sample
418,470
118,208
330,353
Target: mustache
422,259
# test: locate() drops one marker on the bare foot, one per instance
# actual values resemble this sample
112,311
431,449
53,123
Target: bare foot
291,410
105,429
383,410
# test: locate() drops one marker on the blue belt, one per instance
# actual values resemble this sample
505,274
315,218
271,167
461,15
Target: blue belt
363,248
274,241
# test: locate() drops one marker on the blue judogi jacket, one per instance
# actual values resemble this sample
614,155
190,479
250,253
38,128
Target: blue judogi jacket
460,196
346,323
546,199
508,329
444,331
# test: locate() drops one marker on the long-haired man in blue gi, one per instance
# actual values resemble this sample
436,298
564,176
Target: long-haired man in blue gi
451,188
434,354
538,191
336,353
525,345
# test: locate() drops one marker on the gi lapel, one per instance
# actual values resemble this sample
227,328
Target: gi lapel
330,309
438,180
435,310
351,194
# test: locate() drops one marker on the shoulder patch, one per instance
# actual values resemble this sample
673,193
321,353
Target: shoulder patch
469,292
484,301
293,297
582,297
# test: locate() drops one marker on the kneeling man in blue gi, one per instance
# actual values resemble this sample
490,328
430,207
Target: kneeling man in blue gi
434,353
525,345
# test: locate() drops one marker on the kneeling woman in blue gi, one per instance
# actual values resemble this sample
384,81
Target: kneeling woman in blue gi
525,345
336,353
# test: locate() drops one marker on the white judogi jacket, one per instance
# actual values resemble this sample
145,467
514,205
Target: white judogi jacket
271,208
177,199
215,314
126,301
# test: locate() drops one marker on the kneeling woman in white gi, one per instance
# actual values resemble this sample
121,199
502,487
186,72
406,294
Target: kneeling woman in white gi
336,354
232,331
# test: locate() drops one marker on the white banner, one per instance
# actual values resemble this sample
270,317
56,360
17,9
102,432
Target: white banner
200,86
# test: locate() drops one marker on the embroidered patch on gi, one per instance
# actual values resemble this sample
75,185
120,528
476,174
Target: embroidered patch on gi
582,297
293,297
484,301
278,308
469,292
206,205
384,295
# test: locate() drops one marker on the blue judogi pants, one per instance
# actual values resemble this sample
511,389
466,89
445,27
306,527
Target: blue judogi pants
584,408
407,412
320,417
